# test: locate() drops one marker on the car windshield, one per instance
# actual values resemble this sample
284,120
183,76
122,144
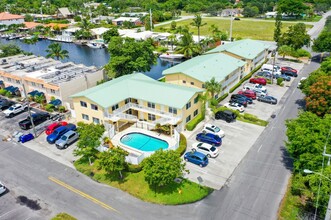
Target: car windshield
11,108
216,129
56,132
258,86
205,158
212,149
64,138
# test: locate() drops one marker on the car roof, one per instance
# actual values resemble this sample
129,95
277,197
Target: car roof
198,154
60,128
69,133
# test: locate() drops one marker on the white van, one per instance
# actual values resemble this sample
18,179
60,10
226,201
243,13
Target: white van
269,67
259,89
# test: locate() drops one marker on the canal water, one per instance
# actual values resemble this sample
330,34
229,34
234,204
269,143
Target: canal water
84,55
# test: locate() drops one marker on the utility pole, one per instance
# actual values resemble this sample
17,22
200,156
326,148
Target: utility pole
30,116
328,211
231,25
151,19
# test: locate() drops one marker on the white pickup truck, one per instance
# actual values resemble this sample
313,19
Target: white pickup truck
15,109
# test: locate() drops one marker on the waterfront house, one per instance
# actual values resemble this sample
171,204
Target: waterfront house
48,76
64,13
253,52
98,32
195,72
137,98
133,20
8,19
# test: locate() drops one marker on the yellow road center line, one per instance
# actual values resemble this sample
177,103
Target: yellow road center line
59,182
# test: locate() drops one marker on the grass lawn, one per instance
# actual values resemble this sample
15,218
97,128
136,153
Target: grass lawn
253,29
135,184
289,208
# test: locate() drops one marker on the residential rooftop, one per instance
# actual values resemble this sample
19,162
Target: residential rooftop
247,48
205,67
7,16
139,86
49,70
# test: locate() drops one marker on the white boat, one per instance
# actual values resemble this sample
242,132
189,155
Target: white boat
171,56
96,44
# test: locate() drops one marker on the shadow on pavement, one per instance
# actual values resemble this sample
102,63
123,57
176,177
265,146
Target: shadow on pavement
287,160
301,104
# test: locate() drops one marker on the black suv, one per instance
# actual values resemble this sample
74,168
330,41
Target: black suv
37,118
226,115
289,73
5,104
239,100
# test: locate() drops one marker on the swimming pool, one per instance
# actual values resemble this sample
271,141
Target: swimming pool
143,142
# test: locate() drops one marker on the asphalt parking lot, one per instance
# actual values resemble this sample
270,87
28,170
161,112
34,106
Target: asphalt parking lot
239,136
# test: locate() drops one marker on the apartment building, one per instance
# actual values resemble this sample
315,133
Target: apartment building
137,97
45,76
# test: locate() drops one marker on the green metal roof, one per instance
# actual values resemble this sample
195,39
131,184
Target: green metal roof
207,66
139,86
247,48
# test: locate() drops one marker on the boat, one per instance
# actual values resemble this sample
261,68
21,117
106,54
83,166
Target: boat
96,44
171,56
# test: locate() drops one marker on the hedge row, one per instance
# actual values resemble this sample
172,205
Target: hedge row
222,97
246,77
195,121
182,145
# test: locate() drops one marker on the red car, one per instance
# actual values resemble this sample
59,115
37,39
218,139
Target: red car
288,69
261,81
248,93
54,126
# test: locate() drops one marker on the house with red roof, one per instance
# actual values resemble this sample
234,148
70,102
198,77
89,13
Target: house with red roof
8,19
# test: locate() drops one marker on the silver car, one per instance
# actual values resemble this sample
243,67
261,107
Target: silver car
66,139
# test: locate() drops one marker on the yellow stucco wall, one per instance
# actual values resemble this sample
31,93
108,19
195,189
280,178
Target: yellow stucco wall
87,110
183,80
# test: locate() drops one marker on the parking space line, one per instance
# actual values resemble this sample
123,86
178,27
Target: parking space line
259,148
59,182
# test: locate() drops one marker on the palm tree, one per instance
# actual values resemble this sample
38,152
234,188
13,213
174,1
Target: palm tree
187,46
55,51
212,87
197,22
172,39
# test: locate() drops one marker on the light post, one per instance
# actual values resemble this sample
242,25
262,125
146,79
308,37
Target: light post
327,216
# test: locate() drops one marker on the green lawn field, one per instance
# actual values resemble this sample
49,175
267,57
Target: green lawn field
253,29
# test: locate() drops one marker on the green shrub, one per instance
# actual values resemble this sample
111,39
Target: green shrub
300,53
222,97
213,102
195,121
49,107
3,92
268,81
280,81
8,94
134,168
235,87
63,216
182,145
62,109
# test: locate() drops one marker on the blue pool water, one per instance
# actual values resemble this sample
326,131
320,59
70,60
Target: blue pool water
143,142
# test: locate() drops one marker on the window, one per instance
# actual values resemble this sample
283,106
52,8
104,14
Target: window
203,86
151,117
83,104
184,81
196,112
114,107
196,99
52,91
42,85
94,107
188,118
151,105
96,120
188,105
173,110
127,100
9,79
85,117
192,83
33,83
18,82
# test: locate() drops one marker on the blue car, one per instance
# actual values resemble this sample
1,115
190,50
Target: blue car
26,138
196,158
209,139
59,132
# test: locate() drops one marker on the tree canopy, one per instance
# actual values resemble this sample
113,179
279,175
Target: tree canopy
162,167
128,56
112,32
296,36
55,51
113,160
213,87
89,140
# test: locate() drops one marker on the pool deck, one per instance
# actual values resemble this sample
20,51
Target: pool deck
116,139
